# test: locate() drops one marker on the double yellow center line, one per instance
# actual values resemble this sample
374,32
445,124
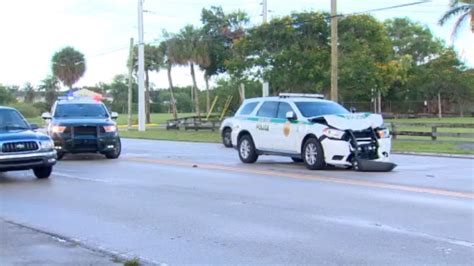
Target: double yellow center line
338,180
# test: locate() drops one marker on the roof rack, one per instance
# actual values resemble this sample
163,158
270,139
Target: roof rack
305,95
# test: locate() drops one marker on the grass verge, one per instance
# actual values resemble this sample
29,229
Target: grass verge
175,135
214,137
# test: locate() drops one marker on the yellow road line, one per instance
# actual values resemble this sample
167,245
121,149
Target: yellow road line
364,183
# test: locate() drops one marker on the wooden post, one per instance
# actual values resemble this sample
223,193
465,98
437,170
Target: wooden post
434,129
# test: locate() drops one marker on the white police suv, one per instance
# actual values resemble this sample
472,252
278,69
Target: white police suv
312,130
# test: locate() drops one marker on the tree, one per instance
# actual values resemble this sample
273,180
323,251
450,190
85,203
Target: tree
291,52
7,95
190,48
50,87
153,62
462,10
221,32
364,55
68,66
165,48
440,75
414,39
30,93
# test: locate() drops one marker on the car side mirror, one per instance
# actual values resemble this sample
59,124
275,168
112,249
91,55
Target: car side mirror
353,109
290,115
46,116
34,127
114,115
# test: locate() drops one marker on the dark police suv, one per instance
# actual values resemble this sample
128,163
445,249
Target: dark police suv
21,147
83,125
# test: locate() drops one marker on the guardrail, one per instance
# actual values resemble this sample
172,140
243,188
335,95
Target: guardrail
434,133
194,123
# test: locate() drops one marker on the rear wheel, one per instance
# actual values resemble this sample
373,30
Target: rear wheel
226,137
43,172
115,153
247,152
313,154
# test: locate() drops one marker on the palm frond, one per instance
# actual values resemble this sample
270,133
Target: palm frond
457,24
453,12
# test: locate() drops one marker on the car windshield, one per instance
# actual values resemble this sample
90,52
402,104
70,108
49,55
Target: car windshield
312,109
81,110
12,120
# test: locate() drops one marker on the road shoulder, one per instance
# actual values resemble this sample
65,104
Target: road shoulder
21,245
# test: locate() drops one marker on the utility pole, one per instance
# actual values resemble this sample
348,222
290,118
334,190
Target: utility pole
265,85
334,50
130,72
141,70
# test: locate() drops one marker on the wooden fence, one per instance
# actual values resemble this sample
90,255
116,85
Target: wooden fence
434,134
194,123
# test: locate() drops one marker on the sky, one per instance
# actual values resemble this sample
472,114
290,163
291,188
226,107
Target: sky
32,31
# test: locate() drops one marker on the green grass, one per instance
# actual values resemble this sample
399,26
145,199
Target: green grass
430,147
403,143
175,135
468,120
123,118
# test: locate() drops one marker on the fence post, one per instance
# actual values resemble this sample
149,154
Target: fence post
434,129
394,131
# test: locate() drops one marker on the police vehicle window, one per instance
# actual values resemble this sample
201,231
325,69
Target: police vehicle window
268,109
248,108
11,119
80,110
284,108
310,109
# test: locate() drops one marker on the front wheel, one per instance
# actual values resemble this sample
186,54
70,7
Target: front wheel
313,154
226,138
115,153
43,172
247,152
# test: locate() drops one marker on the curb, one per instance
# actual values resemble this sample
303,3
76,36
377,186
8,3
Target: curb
113,255
442,155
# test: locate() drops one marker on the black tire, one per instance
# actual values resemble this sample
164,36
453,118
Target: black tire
43,172
226,138
297,160
115,153
60,155
313,154
247,152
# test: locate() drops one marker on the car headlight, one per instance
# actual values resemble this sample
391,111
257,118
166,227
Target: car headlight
383,133
58,129
46,145
110,129
333,133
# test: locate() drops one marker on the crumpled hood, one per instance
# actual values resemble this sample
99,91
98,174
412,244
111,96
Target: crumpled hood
354,121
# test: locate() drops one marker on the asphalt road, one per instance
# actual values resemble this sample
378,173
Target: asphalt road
183,203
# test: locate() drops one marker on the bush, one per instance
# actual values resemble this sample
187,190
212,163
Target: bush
42,107
27,110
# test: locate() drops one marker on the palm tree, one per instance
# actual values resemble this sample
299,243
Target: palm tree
68,66
462,9
166,50
153,62
191,49
50,87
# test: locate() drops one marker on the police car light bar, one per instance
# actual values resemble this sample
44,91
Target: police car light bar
305,95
